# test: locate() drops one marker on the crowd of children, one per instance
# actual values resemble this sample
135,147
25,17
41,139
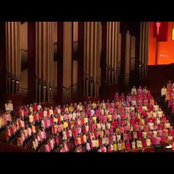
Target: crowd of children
128,122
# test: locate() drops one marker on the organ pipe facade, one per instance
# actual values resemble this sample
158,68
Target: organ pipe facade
113,52
92,54
44,61
90,33
67,60
143,57
13,56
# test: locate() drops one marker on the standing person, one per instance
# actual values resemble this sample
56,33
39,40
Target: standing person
163,94
133,91
9,107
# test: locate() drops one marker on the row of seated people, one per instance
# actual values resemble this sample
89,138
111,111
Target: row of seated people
19,126
167,95
128,122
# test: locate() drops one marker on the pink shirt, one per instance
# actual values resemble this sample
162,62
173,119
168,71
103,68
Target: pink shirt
149,96
104,118
149,133
160,132
172,94
122,116
140,102
157,140
126,128
108,105
48,123
137,127
140,90
129,98
127,104
123,122
122,129
130,136
116,97
107,132
47,149
98,113
145,102
125,137
114,116
111,110
139,134
139,108
127,145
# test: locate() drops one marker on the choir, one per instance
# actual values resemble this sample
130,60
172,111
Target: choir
133,121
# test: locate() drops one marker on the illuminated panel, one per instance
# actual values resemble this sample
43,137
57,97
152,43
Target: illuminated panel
173,34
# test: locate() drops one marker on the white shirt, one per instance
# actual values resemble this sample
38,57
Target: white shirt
51,112
39,107
144,134
167,125
160,113
163,91
87,146
9,107
112,147
119,146
133,102
31,118
151,125
45,113
155,133
118,137
148,142
156,107
133,91
139,144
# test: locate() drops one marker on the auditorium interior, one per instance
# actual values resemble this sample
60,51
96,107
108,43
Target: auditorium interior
77,73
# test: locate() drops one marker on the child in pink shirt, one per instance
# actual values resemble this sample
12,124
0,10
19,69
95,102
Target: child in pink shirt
121,130
128,145
125,136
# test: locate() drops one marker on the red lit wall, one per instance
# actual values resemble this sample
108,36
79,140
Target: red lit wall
165,49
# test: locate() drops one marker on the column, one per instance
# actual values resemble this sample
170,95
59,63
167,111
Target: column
103,58
44,60
127,60
60,40
143,56
67,61
13,55
123,30
81,60
2,60
32,89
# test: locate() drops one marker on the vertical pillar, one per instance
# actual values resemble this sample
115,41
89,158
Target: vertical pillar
127,60
103,59
60,62
2,60
137,53
143,56
122,71
31,61
80,60
13,52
